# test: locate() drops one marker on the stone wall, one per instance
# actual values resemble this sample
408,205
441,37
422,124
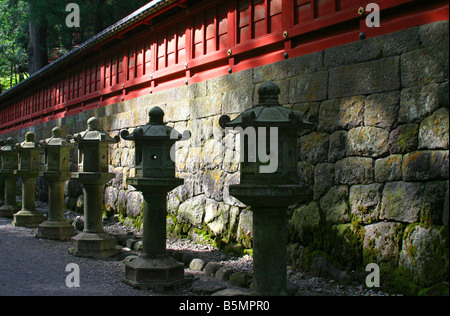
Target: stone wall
377,162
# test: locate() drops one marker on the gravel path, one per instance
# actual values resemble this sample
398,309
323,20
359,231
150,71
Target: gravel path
34,266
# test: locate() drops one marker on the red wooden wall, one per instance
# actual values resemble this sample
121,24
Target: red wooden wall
207,40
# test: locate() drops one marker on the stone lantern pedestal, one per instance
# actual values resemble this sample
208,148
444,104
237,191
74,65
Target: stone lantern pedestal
270,225
56,227
28,216
93,241
2,191
93,159
9,206
153,268
155,177
8,166
28,170
56,172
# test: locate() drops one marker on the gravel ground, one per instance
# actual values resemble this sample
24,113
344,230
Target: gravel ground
34,266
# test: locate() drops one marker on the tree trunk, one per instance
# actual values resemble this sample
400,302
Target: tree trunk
37,52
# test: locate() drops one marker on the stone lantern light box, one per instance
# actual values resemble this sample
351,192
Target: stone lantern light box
154,146
9,155
93,148
57,151
268,129
28,154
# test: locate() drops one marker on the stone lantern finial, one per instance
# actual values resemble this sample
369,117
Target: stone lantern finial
29,137
268,94
57,132
93,124
156,115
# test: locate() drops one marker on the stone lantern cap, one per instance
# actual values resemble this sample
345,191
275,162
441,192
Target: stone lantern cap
269,112
9,145
57,140
94,134
155,129
29,142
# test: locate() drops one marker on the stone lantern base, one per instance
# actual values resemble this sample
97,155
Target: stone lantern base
27,218
153,273
9,207
8,211
58,230
95,245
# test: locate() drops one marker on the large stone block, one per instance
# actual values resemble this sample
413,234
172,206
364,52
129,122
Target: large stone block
443,94
192,211
212,154
323,179
334,204
216,216
354,170
417,102
351,53
365,78
227,198
381,110
308,87
433,59
224,84
365,202
434,33
303,218
425,254
402,201
338,146
309,63
206,106
110,198
367,141
342,113
445,212
433,197
245,228
238,100
404,138
410,202
305,171
433,131
314,147
176,111
388,169
213,183
381,243
134,203
425,165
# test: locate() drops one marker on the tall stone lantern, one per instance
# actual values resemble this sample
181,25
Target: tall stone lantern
56,172
28,170
9,164
155,176
93,158
269,182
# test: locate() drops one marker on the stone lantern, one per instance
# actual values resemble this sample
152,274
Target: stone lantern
93,158
8,166
56,172
28,170
269,182
155,176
